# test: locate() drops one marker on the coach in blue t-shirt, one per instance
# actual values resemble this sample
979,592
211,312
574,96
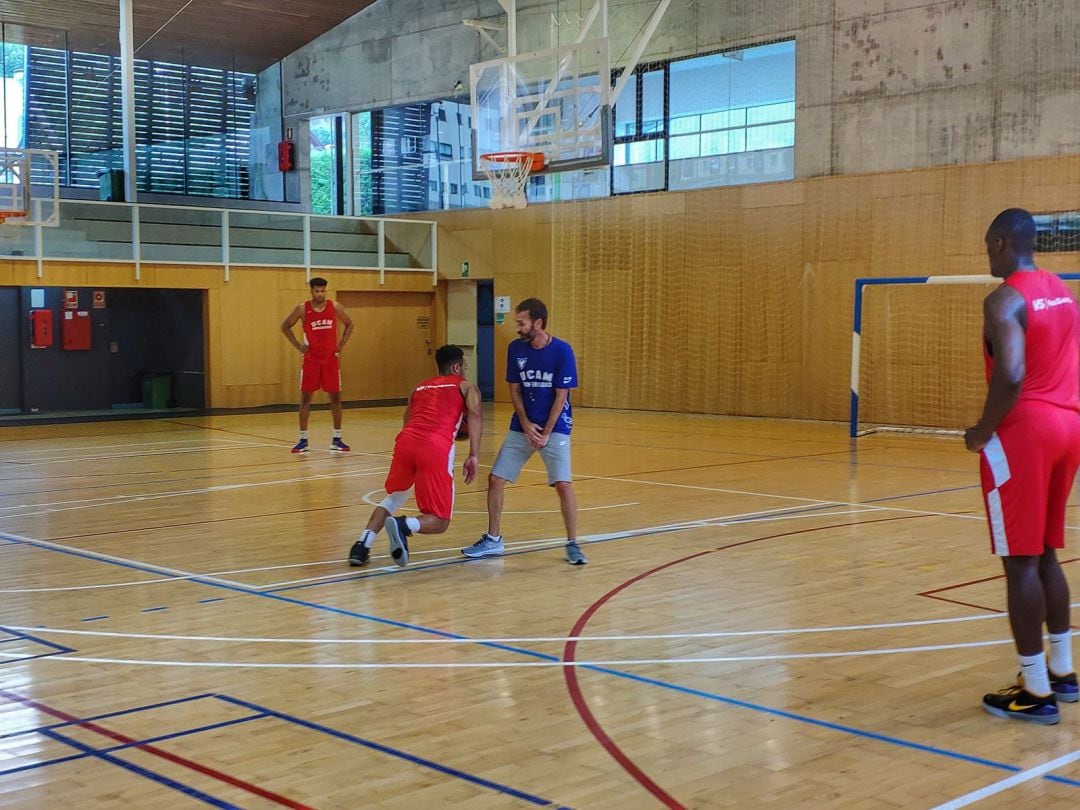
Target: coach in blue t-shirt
541,371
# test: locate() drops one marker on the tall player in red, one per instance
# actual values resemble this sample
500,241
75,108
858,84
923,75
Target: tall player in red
321,349
424,458
1029,441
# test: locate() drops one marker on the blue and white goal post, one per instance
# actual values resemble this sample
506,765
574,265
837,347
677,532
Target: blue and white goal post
856,334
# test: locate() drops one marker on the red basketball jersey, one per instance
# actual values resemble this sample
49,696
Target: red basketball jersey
436,409
320,329
1052,340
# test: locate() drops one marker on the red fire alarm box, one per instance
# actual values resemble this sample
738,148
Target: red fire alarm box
41,328
286,156
75,331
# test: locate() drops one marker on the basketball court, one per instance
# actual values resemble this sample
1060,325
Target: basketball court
764,608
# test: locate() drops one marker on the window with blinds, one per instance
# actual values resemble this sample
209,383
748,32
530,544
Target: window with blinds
192,124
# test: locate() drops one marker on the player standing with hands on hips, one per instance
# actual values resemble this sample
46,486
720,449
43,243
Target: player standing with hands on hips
321,348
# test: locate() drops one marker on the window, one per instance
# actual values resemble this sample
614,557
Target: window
192,124
446,150
727,104
453,188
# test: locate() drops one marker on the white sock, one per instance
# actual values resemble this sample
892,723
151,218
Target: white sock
1036,679
413,524
337,433
496,537
303,435
367,538
1061,653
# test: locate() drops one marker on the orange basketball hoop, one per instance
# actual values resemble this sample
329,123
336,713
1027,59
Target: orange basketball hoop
508,173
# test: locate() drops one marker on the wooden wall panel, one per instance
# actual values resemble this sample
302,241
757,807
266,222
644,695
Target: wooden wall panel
738,300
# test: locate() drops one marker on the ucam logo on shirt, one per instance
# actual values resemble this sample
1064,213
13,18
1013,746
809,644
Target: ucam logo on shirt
324,323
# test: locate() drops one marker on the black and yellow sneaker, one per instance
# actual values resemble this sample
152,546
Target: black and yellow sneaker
1065,687
1016,703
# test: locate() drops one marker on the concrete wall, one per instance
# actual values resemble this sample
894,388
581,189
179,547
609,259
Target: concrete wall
881,84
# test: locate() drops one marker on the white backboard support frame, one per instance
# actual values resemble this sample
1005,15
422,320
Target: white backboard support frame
556,101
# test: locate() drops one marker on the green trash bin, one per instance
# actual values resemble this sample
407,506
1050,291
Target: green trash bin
157,391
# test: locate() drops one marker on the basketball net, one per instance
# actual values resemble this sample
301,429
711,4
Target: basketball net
509,172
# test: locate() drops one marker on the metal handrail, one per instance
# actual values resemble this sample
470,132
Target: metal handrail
227,220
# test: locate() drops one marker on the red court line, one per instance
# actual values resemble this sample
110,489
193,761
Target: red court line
933,594
570,650
152,749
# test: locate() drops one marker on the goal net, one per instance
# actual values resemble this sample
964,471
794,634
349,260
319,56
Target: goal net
916,353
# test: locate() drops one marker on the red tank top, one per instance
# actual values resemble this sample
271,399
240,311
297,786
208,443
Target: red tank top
320,329
436,409
1052,340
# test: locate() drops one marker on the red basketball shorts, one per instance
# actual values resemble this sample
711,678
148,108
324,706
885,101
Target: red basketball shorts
429,467
320,373
1027,472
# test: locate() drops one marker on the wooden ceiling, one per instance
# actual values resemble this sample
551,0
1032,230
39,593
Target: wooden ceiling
247,35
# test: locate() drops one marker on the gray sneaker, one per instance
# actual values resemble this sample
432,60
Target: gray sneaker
486,546
574,555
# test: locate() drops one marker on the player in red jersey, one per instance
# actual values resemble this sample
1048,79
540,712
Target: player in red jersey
1028,439
321,349
424,458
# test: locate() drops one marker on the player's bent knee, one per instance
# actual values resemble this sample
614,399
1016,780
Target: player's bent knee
438,527
394,501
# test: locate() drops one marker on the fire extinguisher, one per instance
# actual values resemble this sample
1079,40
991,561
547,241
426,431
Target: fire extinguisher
286,153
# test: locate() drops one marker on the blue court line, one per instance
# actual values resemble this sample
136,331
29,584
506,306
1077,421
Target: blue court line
185,733
394,752
212,599
530,653
135,744
5,661
120,713
140,771
24,635
154,609
93,618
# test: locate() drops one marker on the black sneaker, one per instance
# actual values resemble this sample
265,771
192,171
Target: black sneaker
359,554
1016,703
1065,687
398,531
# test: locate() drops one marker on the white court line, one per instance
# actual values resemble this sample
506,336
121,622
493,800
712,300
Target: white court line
369,498
1012,781
555,542
874,506
112,500
97,555
143,454
37,453
624,662
46,631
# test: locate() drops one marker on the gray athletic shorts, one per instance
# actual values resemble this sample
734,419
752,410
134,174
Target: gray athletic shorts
516,450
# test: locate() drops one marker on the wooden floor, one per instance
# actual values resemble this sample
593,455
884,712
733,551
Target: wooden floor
769,617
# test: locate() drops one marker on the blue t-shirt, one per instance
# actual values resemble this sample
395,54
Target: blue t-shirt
540,372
